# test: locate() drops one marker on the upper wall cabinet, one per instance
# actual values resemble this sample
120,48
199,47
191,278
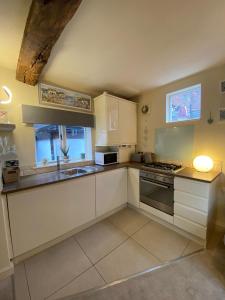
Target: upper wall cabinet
116,121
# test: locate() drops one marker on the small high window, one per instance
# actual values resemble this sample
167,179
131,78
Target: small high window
70,143
184,105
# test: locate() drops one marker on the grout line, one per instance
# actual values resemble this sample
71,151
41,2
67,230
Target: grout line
148,250
120,244
140,228
74,278
26,276
130,235
136,275
188,242
83,250
100,274
92,265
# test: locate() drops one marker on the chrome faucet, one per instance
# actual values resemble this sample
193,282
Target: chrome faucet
58,163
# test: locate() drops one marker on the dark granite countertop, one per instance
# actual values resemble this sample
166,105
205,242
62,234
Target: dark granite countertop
32,181
191,173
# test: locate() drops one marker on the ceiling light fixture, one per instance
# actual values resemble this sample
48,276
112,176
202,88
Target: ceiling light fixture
8,93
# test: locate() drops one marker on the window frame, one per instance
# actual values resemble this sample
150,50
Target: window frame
168,110
63,143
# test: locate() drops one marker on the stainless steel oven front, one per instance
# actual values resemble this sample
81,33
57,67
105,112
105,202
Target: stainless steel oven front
157,190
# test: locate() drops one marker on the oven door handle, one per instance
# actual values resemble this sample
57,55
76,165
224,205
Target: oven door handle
154,183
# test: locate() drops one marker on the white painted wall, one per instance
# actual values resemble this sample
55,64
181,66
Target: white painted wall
208,139
23,135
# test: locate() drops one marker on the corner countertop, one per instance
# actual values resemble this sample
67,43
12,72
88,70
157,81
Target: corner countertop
32,181
191,173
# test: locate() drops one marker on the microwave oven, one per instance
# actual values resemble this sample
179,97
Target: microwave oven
106,158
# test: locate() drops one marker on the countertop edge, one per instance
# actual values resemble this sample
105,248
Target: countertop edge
192,177
7,189
13,188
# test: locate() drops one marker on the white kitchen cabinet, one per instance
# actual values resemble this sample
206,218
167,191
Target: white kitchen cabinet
190,227
42,214
127,122
133,193
116,121
194,205
111,190
6,267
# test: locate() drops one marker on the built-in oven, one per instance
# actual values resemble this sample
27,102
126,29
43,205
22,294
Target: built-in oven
157,191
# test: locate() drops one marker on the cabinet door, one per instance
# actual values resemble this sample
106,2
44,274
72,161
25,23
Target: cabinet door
5,263
101,122
42,214
133,187
112,104
127,122
111,190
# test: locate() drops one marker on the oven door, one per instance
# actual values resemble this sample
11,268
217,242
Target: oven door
157,195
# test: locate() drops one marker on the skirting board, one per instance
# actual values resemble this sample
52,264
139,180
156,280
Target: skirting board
6,272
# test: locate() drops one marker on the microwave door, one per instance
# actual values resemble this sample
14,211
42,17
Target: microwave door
110,158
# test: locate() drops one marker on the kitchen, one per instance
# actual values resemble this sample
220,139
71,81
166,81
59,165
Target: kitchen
117,186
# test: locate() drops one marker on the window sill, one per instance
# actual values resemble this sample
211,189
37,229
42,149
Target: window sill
71,163
182,123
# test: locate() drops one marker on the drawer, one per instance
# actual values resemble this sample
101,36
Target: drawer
191,227
191,200
157,213
193,187
190,213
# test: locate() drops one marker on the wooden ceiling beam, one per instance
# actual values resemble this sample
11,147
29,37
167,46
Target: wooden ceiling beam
45,23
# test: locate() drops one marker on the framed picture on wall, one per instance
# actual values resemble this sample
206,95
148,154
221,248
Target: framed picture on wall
59,97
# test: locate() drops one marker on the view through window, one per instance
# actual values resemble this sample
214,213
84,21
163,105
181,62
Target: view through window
184,105
51,140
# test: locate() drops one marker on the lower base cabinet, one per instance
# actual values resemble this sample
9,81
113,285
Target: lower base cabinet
42,214
194,207
133,193
111,190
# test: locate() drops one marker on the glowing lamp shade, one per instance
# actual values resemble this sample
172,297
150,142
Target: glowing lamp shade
203,163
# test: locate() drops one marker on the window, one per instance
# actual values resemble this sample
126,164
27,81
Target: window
184,105
51,140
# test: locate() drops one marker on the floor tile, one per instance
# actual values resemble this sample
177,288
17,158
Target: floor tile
99,239
195,277
128,220
20,282
55,267
129,258
161,241
87,280
192,247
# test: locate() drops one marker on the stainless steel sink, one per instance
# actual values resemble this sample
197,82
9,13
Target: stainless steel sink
72,172
91,169
81,170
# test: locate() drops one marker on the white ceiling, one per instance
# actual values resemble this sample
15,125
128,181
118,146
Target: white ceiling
13,16
125,46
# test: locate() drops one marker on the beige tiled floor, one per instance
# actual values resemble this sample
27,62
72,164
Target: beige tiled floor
124,244
164,243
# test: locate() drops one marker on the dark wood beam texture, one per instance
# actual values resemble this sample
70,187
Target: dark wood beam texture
45,23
